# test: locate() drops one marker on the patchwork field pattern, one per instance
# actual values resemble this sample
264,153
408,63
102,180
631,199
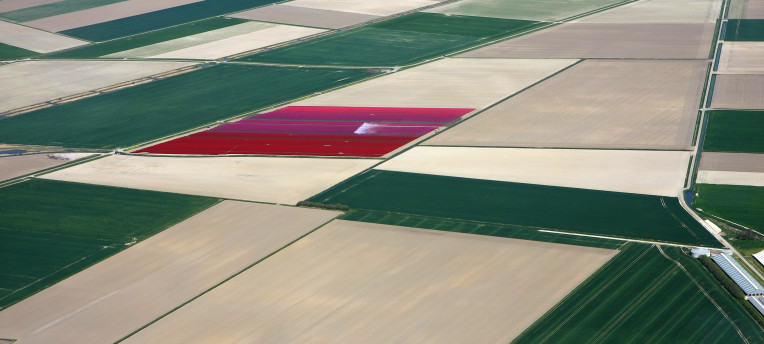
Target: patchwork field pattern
293,15
380,278
660,11
51,230
548,10
46,8
739,204
742,58
371,7
738,92
13,5
35,40
731,169
134,287
19,165
735,131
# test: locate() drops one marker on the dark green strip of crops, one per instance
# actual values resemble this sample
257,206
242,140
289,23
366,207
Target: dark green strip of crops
50,230
401,41
156,109
556,208
52,9
735,131
132,42
9,52
744,30
739,204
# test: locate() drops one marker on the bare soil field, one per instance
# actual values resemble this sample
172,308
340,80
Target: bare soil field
660,11
731,178
458,83
595,40
594,104
546,10
19,165
31,82
742,58
735,162
746,9
659,173
12,5
265,179
372,7
35,40
293,15
738,92
354,282
117,296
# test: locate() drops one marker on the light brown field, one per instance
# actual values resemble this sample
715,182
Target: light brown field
541,10
660,11
35,40
353,282
265,179
738,92
373,7
644,172
594,104
293,15
31,82
731,178
19,165
736,162
12,5
746,9
587,40
464,83
742,58
120,294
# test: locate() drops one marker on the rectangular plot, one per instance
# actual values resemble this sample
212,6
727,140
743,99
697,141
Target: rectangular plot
660,11
746,9
742,58
294,15
371,114
265,179
380,279
595,40
735,131
594,104
35,40
734,162
744,30
731,178
372,7
12,5
56,8
738,92
547,10
19,165
132,288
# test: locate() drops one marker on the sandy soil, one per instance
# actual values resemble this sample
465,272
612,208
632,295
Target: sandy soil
373,7
585,40
120,294
594,104
31,82
353,282
460,83
12,5
19,165
660,11
35,40
265,179
645,172
735,162
738,92
742,58
286,14
731,178
103,14
544,10
746,9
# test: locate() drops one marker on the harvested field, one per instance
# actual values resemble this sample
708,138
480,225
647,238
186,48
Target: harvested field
130,116
101,14
12,5
35,40
660,11
735,131
659,173
746,9
731,178
739,204
738,92
19,165
593,40
524,205
55,8
744,30
742,58
735,162
9,52
136,286
294,15
594,104
372,7
32,82
394,284
445,83
264,179
548,10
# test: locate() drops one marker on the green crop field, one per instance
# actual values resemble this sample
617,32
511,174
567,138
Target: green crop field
740,204
156,109
735,131
401,41
49,230
137,41
9,52
744,30
55,8
642,296
556,208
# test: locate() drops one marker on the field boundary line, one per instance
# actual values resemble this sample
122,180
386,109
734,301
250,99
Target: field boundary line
621,239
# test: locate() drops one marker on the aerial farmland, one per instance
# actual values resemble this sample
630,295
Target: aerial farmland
381,171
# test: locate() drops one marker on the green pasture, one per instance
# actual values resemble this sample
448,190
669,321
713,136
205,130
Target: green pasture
401,41
546,10
735,131
739,204
156,109
53,9
10,52
745,30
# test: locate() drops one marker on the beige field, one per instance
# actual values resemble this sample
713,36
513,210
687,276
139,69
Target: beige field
660,11
746,9
373,7
467,83
293,15
659,173
542,10
594,104
735,162
731,178
738,92
594,40
19,165
35,40
120,294
354,282
742,58
31,82
12,5
265,179
118,10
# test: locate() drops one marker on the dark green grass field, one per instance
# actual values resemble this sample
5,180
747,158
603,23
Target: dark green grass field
401,41
137,41
50,230
149,111
9,52
744,30
735,131
556,208
642,296
740,204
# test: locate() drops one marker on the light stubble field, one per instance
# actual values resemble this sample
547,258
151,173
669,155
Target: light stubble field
548,10
372,7
35,40
742,58
738,92
15,166
660,11
313,17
